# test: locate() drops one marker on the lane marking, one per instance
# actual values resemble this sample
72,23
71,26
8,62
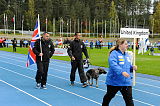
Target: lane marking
25,92
53,86
99,80
69,64
93,87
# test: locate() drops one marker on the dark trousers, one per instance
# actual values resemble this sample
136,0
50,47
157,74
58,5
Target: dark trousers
14,48
77,64
42,72
126,92
1,45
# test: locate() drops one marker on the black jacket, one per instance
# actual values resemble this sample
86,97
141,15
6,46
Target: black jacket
76,48
14,43
47,50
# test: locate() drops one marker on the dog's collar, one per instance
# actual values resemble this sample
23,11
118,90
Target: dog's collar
97,71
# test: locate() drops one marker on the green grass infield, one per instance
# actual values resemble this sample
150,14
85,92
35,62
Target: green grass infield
146,63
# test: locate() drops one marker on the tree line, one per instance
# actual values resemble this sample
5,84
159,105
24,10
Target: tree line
98,14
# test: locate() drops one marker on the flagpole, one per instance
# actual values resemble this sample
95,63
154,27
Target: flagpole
14,26
97,28
152,27
22,25
70,26
78,24
74,25
105,28
46,23
40,36
86,25
134,62
67,27
89,28
102,27
62,27
81,26
4,23
110,28
54,27
94,23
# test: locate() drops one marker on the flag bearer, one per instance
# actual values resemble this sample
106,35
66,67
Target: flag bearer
44,51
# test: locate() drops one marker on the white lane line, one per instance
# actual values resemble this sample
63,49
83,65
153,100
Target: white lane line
69,68
99,80
141,91
77,82
103,90
25,92
148,85
54,86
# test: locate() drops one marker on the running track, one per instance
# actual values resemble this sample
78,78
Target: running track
17,86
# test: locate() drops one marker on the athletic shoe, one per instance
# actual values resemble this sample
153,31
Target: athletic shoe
43,87
72,83
84,85
38,85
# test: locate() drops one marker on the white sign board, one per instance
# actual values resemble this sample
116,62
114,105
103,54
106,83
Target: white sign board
134,33
60,52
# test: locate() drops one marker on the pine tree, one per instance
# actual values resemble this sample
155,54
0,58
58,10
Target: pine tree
156,17
113,17
30,15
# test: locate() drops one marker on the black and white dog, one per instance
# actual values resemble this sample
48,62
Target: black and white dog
94,74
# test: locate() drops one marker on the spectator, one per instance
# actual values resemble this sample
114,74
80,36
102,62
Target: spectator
100,43
152,50
21,42
1,41
14,43
7,42
91,44
4,42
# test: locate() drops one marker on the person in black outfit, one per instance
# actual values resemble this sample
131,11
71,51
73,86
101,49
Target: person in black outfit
75,52
4,42
14,43
21,43
43,63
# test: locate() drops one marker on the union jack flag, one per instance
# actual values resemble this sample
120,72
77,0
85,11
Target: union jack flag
36,35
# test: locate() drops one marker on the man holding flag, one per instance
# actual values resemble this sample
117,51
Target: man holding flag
47,48
41,50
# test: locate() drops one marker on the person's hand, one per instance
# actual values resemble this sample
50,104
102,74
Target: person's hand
87,60
40,54
134,67
72,58
125,74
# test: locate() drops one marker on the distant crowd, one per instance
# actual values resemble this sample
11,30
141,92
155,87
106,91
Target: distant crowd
64,43
5,42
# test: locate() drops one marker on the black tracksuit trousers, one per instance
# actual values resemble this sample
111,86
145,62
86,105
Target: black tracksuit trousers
42,72
77,64
14,48
126,92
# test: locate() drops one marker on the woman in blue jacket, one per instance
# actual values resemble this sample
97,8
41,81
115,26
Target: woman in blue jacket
119,74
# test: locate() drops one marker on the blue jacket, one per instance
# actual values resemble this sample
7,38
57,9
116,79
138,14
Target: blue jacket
119,63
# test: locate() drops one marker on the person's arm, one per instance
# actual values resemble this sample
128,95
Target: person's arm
69,50
84,50
51,49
